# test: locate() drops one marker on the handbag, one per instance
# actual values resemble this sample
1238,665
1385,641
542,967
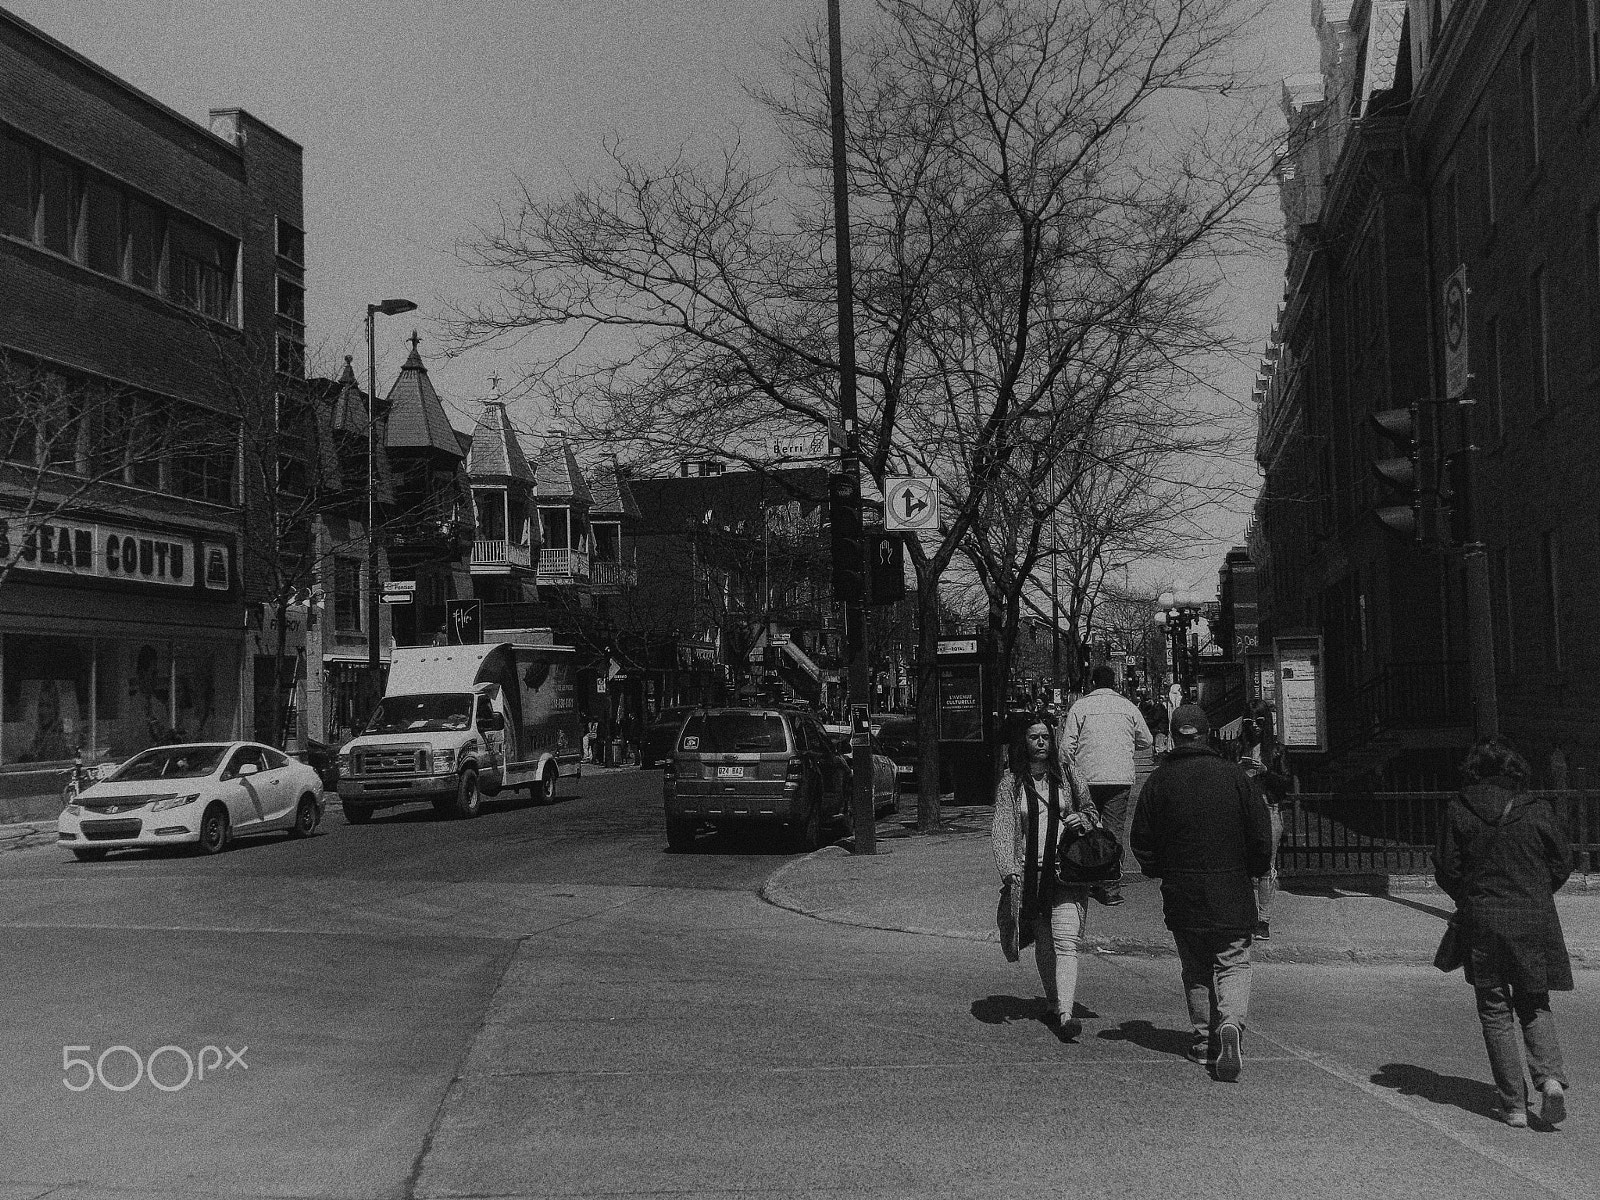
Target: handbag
1008,918
1452,952
1091,857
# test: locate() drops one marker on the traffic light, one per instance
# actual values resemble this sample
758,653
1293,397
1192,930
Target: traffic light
1454,501
886,553
844,523
1401,474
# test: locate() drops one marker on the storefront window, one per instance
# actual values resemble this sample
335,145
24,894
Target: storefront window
141,696
205,680
45,696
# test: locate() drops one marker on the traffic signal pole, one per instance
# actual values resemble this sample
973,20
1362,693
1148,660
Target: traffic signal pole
855,610
1475,560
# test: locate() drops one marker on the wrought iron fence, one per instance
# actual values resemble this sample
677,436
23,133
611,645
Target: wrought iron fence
1395,832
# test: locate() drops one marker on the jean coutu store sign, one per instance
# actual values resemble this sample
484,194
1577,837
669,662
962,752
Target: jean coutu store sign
116,552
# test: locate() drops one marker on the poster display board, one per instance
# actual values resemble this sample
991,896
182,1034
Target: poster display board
960,702
1301,694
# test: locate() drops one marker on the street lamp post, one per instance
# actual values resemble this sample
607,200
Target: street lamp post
1179,611
388,308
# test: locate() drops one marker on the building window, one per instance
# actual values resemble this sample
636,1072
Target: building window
57,204
607,542
1539,336
1501,568
1550,578
1529,74
19,186
1591,262
291,243
202,267
347,595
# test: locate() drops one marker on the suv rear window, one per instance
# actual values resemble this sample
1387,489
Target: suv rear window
733,732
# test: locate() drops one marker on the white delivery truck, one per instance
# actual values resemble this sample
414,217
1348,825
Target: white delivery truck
457,723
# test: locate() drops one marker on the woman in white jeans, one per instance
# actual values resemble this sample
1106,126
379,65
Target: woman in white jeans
1037,798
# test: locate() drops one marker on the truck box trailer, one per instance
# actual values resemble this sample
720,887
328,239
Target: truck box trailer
458,723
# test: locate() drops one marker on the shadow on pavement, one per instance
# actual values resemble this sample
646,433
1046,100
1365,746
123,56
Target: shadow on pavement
1150,1037
1470,1095
1002,1010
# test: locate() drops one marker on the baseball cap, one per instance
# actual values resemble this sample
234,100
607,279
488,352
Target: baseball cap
1190,721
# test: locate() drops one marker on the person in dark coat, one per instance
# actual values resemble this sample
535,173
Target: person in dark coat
1502,855
1203,830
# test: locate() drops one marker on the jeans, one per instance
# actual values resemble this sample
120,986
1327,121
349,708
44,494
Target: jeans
1496,1006
1268,883
1055,946
1216,981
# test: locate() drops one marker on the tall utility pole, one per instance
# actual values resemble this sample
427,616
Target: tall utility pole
855,611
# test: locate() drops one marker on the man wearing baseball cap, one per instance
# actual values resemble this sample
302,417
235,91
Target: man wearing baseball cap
1203,830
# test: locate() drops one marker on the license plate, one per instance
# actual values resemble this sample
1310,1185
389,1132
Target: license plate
902,769
730,772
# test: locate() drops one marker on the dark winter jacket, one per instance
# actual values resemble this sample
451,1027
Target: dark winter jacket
1203,830
1504,884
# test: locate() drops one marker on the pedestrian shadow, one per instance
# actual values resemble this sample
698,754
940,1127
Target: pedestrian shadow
1002,1010
1150,1037
1470,1095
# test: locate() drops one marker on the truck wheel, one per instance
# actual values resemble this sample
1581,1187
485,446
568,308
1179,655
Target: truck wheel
356,814
469,801
680,835
544,792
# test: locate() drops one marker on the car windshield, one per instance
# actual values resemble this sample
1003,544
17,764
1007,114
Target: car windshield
427,713
170,762
727,732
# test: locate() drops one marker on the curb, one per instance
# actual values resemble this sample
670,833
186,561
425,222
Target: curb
1282,953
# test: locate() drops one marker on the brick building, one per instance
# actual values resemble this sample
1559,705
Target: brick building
138,251
1439,136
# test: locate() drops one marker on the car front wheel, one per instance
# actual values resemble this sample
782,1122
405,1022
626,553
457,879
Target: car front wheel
305,818
469,801
214,830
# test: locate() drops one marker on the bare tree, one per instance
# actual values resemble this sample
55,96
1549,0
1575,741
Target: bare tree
1039,191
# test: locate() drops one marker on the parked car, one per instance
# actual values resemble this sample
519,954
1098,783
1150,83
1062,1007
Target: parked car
775,767
203,794
897,738
661,734
885,780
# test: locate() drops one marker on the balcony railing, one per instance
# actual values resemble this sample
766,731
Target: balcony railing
501,553
563,564
612,574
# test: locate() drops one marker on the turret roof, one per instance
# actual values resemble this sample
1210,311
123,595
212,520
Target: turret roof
496,453
559,478
417,418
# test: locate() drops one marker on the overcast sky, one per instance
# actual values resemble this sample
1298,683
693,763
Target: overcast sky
416,114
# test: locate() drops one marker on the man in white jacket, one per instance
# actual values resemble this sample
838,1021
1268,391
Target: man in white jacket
1100,733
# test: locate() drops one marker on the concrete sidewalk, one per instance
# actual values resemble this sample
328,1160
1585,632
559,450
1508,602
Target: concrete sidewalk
944,885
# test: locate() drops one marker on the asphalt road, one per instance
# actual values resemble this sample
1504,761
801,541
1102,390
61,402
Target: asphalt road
545,1002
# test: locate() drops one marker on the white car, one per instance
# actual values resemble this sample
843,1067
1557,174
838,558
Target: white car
205,794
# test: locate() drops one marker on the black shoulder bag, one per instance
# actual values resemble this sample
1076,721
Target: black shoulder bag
1083,859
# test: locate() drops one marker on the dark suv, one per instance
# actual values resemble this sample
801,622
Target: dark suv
753,766
661,734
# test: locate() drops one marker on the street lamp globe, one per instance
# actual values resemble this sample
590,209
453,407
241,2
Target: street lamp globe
1160,618
1167,600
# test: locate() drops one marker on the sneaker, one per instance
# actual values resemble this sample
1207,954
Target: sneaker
1228,1059
1554,1110
1517,1118
1262,932
1070,1030
1198,1054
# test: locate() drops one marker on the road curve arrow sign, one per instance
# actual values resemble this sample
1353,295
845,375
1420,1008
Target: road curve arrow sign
910,504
